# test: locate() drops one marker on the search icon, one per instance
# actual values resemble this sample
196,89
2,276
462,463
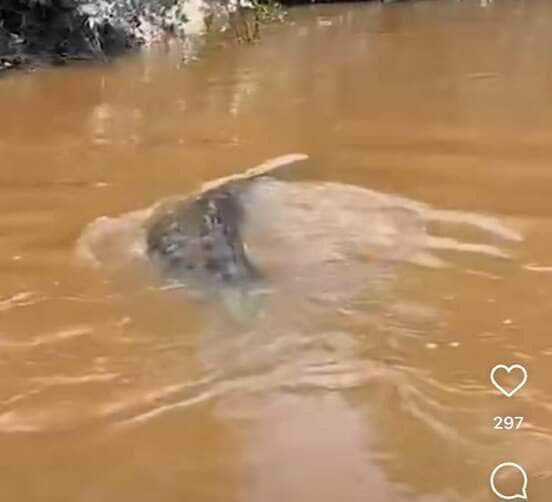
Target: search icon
508,466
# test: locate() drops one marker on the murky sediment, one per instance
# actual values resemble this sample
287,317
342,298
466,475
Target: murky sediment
406,256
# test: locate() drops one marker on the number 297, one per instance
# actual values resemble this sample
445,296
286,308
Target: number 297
507,423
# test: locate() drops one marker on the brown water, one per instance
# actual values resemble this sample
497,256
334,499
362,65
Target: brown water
405,258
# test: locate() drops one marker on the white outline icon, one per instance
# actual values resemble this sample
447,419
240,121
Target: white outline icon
509,369
522,495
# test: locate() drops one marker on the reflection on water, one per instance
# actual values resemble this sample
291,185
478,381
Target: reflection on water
402,261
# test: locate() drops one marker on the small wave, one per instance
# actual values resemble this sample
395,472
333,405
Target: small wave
46,339
533,267
487,223
11,422
63,380
21,299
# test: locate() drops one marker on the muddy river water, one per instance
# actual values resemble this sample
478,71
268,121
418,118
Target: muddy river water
404,258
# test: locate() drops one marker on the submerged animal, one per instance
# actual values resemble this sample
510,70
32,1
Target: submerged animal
326,236
202,235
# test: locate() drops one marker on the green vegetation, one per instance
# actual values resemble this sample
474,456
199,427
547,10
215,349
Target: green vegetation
269,11
246,19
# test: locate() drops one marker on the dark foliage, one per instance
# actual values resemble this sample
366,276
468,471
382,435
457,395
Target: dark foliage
54,31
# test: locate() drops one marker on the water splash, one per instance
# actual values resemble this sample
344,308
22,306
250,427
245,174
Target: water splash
310,230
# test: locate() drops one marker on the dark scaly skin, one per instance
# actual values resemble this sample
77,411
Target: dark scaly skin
200,238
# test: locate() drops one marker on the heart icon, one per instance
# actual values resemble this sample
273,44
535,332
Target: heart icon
509,370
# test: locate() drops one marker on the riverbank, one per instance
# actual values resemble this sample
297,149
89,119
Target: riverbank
35,33
57,31
45,32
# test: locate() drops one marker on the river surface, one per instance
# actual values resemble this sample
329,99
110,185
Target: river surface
404,258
